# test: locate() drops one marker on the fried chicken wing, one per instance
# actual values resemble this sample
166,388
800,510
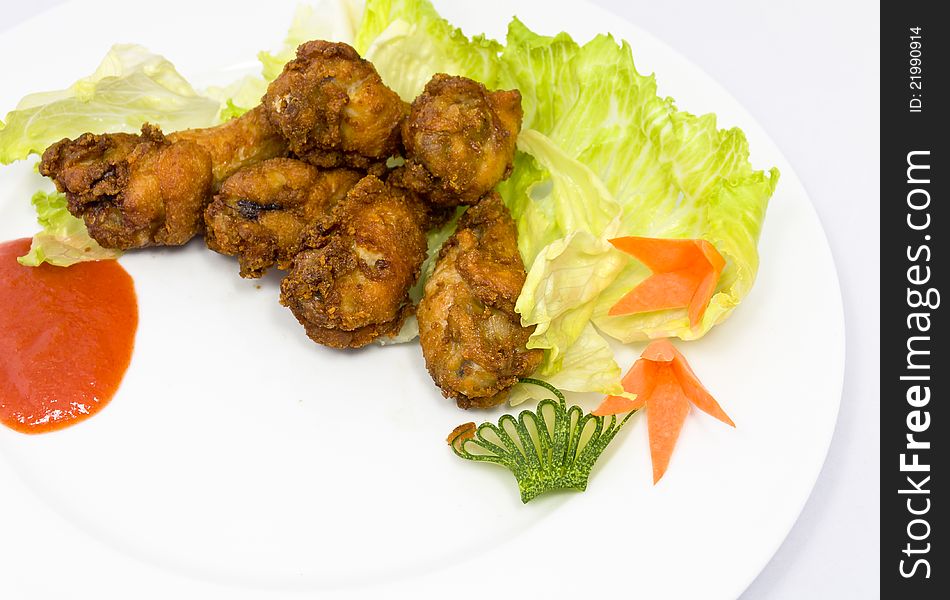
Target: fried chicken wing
333,108
263,211
150,189
471,336
237,143
459,140
352,285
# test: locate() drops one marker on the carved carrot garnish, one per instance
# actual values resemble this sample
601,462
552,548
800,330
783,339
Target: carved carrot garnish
685,273
665,385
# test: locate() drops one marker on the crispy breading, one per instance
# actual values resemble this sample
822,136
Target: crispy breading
471,336
236,144
351,286
333,108
263,211
150,189
459,140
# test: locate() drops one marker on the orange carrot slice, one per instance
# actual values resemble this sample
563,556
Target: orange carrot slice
658,254
659,351
637,381
712,255
667,412
658,292
696,392
700,300
615,405
666,385
685,274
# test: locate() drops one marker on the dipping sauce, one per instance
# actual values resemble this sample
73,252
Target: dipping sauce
66,337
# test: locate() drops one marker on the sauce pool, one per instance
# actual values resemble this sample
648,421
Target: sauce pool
66,338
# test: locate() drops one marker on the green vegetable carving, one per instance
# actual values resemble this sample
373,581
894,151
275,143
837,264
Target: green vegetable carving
552,448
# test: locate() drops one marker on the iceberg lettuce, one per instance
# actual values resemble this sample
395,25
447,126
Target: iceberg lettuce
601,155
130,87
409,42
567,275
331,20
588,364
666,173
64,240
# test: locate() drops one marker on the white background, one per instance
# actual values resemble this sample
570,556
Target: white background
807,70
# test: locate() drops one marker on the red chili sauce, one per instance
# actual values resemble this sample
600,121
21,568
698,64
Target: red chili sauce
66,337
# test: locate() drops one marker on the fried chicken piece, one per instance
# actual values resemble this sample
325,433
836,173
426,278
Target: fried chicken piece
262,212
352,285
471,337
333,108
150,189
459,139
237,143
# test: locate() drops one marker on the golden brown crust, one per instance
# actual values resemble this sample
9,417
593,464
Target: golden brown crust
459,140
263,211
132,190
150,189
333,109
352,285
471,336
235,144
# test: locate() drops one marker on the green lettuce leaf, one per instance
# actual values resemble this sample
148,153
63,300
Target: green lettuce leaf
230,110
587,365
63,240
331,20
555,196
731,222
601,155
671,174
237,98
574,216
559,297
130,87
409,42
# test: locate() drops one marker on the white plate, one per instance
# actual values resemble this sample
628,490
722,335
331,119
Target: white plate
301,469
